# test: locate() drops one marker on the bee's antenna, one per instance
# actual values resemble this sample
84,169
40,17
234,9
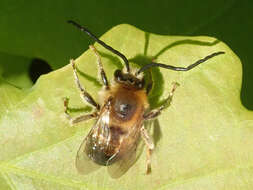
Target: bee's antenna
153,64
102,43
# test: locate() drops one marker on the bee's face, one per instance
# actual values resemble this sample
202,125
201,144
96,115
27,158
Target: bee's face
128,79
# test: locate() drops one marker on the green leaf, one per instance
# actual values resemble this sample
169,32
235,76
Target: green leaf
38,29
202,141
14,70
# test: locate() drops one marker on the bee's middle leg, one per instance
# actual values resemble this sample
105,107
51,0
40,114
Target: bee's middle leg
154,113
79,118
150,148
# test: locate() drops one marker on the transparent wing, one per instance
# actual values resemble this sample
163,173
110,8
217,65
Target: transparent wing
85,164
126,156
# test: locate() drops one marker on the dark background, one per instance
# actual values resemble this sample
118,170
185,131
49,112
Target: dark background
35,33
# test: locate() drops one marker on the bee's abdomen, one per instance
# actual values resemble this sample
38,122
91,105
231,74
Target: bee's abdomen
102,150
99,155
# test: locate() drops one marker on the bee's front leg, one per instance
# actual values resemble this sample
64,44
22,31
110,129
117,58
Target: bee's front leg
84,94
150,148
154,113
101,69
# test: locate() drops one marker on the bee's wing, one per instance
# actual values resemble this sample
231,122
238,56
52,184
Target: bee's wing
126,156
84,163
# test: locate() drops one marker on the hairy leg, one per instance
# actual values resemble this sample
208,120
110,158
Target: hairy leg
155,112
101,69
150,148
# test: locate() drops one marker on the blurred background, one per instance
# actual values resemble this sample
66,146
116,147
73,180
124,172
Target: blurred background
35,38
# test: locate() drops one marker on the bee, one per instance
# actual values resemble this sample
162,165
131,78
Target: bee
113,139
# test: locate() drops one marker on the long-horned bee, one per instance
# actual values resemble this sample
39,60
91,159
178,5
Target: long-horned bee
113,139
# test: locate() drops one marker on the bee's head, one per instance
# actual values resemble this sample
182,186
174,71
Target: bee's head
128,79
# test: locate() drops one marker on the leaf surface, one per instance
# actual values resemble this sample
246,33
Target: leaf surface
202,141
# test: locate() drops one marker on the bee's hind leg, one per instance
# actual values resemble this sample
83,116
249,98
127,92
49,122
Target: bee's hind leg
150,148
101,69
79,118
154,113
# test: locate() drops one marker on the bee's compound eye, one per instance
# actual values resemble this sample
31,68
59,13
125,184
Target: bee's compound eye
140,83
118,75
131,80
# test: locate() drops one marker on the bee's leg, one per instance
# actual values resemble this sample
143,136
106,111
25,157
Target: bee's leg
79,118
84,94
150,147
154,113
101,69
